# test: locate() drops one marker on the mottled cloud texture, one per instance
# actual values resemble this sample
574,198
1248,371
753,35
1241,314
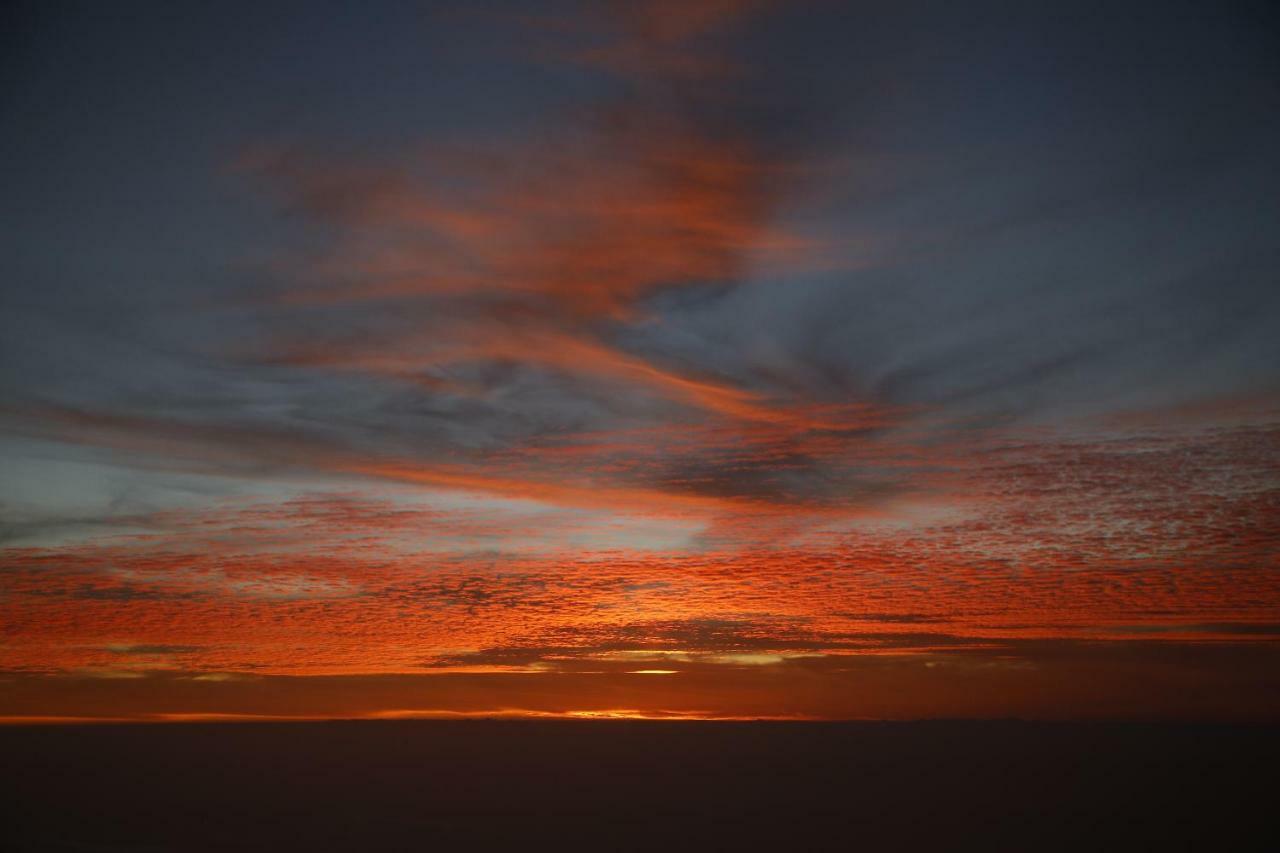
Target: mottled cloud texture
678,359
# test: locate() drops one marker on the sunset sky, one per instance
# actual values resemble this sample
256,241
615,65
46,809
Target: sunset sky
691,359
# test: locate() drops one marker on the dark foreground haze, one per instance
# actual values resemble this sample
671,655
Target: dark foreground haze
456,785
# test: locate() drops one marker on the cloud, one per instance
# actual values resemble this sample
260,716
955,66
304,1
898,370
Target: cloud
150,649
910,348
1162,540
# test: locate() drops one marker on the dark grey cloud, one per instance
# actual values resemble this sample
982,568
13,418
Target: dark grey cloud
151,649
752,646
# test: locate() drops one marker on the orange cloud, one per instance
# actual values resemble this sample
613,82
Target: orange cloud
536,251
335,584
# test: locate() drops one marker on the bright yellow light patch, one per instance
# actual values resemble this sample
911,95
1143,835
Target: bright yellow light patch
652,671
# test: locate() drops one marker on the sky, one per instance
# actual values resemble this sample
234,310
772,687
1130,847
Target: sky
712,359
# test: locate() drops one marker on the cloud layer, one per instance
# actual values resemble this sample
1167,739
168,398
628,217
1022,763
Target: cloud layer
905,352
